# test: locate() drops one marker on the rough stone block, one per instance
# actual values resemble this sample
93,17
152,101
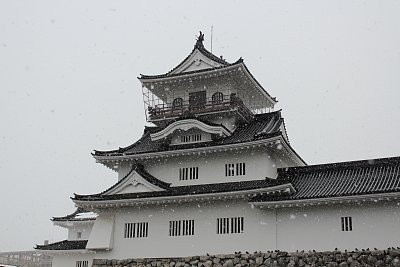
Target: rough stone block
216,260
204,258
228,263
259,260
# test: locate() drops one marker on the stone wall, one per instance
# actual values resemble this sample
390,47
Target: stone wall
389,257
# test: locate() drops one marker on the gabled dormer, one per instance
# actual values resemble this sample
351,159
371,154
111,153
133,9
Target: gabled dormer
204,86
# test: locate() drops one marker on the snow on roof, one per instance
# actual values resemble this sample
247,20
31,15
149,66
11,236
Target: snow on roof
86,215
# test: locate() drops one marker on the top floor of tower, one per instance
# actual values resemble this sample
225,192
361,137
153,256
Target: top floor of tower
206,87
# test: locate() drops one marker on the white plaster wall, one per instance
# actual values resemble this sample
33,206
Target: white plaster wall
84,227
62,260
374,225
259,165
259,231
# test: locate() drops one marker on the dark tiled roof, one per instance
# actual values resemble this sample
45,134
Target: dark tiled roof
145,77
187,190
72,216
262,127
199,46
64,245
342,179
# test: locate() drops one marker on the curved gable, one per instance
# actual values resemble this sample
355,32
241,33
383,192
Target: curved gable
185,125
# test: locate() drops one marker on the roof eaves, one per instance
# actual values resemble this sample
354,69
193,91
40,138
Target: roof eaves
196,190
69,216
339,165
64,245
273,99
329,199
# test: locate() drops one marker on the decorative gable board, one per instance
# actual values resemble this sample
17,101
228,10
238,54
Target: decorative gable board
187,124
133,183
196,61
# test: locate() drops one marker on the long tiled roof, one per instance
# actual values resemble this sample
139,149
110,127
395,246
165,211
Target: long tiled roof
341,179
186,190
64,245
263,126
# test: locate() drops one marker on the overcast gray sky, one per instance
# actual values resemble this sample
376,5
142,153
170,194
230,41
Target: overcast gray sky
68,85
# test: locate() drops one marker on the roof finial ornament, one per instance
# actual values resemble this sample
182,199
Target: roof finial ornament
200,40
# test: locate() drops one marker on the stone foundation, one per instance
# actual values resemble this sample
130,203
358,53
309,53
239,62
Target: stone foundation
390,257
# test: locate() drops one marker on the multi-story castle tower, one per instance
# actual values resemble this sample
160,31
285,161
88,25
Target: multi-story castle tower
216,174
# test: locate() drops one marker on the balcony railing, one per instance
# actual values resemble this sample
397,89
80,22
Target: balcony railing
210,105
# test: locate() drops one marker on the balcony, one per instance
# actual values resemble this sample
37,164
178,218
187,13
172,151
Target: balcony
199,107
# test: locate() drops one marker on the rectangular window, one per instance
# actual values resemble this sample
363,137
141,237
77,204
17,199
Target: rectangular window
190,138
136,230
233,225
189,173
82,264
78,235
347,224
235,169
181,227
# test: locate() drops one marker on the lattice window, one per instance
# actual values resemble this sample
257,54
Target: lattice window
189,173
235,169
82,264
217,98
181,227
347,224
196,137
177,103
136,230
233,225
190,138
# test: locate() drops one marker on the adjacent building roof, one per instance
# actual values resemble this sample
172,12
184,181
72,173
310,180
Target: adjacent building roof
79,215
263,126
64,245
340,179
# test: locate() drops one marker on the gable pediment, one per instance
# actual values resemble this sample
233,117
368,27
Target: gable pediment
185,125
134,182
196,61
